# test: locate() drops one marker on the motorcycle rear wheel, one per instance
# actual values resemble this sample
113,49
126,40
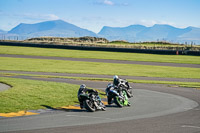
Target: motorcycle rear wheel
89,106
118,101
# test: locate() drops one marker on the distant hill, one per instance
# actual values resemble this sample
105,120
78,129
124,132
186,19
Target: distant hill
132,33
2,31
56,28
135,33
86,39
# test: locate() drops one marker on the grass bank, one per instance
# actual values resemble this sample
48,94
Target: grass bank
32,95
99,55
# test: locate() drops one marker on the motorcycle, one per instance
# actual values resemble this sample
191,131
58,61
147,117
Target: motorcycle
113,94
124,84
92,102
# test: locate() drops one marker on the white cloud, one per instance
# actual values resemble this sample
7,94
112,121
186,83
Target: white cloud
153,22
52,17
104,2
108,2
9,20
38,16
30,16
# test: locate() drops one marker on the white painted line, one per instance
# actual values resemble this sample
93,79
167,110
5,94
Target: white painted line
190,126
89,117
188,108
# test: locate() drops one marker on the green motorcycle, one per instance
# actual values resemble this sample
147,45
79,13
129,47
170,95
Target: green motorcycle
114,96
122,100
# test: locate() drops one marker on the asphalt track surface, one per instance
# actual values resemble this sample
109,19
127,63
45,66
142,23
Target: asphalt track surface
104,60
4,87
155,109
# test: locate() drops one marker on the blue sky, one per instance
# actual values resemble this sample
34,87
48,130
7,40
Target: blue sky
94,14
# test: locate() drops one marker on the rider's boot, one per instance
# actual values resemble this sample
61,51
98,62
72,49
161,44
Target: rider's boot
97,106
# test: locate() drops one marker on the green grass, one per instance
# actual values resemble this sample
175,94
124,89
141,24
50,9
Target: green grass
39,65
99,55
32,95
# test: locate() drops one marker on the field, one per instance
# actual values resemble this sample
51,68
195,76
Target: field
99,55
28,94
32,95
59,66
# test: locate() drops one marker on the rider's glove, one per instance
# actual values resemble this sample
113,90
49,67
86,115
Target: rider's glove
96,92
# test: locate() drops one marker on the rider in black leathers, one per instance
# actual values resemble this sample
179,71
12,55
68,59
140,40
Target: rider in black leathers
117,86
83,90
116,83
114,86
109,87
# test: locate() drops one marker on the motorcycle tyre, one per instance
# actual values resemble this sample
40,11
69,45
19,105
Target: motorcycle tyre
117,102
129,94
88,107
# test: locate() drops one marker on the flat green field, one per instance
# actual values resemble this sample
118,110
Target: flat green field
39,65
99,55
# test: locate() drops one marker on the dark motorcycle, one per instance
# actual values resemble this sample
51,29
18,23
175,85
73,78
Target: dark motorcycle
114,96
92,102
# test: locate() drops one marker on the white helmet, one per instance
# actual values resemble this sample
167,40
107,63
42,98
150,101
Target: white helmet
83,86
115,77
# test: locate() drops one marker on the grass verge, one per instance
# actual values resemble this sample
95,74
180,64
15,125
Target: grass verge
99,55
32,95
39,65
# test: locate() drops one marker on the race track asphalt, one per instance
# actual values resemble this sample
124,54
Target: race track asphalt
104,60
155,109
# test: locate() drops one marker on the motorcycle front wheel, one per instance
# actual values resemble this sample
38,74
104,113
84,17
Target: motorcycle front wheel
89,105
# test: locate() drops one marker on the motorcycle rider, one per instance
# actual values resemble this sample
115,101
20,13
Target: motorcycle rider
116,82
109,87
83,90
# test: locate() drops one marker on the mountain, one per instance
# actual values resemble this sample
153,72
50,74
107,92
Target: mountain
2,31
192,34
135,33
132,33
56,28
121,33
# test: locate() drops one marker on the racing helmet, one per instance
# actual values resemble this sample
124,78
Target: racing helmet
83,86
115,77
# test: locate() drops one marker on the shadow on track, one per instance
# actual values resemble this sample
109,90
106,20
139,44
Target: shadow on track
64,109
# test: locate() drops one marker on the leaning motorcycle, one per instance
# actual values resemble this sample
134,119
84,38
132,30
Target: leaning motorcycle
92,102
119,100
124,84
